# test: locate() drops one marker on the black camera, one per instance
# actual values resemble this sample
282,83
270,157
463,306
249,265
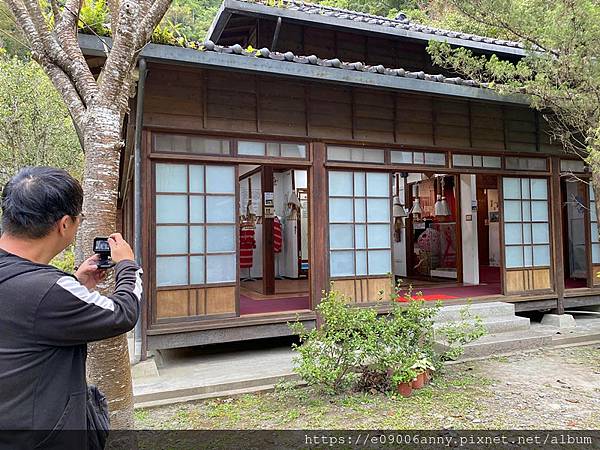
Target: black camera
102,249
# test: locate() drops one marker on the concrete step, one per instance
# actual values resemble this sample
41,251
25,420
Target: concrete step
156,397
500,343
497,325
491,310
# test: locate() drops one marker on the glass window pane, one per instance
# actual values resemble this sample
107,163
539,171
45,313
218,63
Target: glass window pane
197,269
220,268
512,163
592,196
435,159
360,210
596,253
567,165
512,211
339,154
196,239
293,150
171,271
401,157
171,178
527,256
360,236
477,161
220,179
171,240
492,162
378,184
197,179
170,143
514,256
273,149
340,210
220,238
251,148
539,211
378,210
540,233
379,236
171,209
541,255
536,163
512,188
206,146
220,209
380,262
196,208
593,213
525,191
341,237
526,211
359,184
462,160
539,189
340,184
594,233
342,263
361,263
526,233
513,233
418,158
373,156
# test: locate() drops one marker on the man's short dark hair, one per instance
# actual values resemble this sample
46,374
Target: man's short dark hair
38,197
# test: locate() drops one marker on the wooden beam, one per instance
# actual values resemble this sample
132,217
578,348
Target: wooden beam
318,225
267,232
557,238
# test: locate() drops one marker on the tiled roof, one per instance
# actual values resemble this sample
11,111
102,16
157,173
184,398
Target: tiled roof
332,63
400,22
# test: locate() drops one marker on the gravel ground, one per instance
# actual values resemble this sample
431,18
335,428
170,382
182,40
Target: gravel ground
545,389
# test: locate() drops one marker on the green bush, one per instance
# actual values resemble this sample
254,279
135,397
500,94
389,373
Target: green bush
357,347
65,261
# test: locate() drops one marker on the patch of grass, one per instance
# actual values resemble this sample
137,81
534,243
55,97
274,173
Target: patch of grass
141,415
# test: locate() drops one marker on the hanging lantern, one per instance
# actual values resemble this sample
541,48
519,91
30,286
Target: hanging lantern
398,210
416,209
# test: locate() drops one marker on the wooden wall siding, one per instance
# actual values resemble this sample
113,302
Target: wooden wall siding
174,99
364,290
373,116
195,302
414,120
547,145
487,127
452,124
231,101
519,281
521,133
330,112
223,101
352,47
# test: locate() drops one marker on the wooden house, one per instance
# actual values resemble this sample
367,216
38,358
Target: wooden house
302,145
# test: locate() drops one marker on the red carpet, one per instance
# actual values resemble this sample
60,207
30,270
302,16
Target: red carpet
430,297
574,283
249,306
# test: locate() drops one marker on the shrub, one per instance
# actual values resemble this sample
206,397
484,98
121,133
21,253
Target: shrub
357,347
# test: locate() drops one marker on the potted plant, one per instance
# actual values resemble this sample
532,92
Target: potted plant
423,367
403,380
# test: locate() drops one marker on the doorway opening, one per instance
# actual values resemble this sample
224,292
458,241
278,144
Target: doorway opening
573,194
274,239
446,235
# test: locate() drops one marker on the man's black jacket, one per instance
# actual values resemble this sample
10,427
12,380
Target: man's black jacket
46,319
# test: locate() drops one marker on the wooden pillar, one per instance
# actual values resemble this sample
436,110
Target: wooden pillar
319,226
267,233
557,237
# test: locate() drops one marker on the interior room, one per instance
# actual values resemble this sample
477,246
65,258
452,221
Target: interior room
274,262
446,235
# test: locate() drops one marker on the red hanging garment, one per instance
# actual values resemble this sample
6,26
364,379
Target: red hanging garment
277,236
247,245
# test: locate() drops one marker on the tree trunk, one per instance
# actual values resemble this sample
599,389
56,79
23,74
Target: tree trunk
108,363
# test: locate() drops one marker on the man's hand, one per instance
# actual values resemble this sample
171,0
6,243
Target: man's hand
119,248
88,273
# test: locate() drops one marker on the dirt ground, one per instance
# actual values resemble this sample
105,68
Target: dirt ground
544,389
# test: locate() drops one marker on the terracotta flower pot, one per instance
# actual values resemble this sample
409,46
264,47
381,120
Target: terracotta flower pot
427,375
419,382
405,389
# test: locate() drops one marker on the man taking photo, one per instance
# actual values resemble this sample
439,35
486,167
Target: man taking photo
48,316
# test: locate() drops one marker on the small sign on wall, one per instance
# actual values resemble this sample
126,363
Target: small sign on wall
268,206
468,218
